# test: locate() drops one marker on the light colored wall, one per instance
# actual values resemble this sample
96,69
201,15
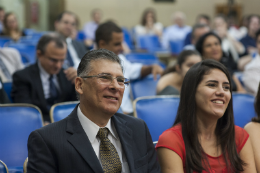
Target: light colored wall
16,6
128,12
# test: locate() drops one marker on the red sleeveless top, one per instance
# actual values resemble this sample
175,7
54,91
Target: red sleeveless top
173,140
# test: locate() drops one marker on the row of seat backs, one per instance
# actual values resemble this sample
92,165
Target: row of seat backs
17,121
159,112
16,124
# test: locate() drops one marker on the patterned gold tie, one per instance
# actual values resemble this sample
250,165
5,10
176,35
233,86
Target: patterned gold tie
108,154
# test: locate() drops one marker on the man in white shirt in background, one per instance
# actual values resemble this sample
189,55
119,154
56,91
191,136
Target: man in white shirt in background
109,36
91,27
176,32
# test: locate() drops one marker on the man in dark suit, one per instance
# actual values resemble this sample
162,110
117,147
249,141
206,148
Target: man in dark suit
45,82
94,138
64,25
3,96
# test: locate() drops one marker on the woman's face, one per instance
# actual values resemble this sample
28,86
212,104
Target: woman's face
149,18
190,61
213,95
212,48
11,22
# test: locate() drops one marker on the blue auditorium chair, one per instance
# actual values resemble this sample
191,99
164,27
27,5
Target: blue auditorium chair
81,36
243,106
3,167
4,40
17,121
144,87
158,112
176,47
127,38
151,43
28,50
8,89
60,111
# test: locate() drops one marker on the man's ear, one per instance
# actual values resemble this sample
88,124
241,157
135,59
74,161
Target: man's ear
79,85
102,44
39,53
56,23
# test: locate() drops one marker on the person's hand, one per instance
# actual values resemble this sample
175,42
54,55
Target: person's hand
222,32
71,74
251,49
156,69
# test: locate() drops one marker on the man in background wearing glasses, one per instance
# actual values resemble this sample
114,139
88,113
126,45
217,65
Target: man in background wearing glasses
94,138
45,82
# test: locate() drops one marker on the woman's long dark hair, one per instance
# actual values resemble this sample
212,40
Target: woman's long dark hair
146,11
257,106
186,115
182,57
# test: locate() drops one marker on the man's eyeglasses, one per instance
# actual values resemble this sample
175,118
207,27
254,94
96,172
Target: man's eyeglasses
107,79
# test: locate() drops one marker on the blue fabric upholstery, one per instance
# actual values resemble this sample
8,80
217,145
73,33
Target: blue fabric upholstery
144,87
243,106
17,121
60,111
151,43
158,112
29,50
4,40
8,88
176,47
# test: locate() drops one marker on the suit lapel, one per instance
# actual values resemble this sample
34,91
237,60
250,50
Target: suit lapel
38,84
126,138
81,143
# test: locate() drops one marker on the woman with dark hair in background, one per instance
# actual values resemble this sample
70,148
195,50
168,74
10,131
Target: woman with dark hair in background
11,27
204,137
253,128
171,81
209,46
149,24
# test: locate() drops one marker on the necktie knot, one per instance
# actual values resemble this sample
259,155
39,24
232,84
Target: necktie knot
51,77
102,133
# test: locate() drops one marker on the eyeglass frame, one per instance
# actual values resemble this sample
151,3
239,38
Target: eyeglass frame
126,84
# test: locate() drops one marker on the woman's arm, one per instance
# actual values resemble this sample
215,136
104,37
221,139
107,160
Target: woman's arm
243,61
254,129
240,88
170,161
247,155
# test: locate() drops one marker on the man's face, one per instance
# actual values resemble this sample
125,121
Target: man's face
115,44
97,16
66,25
2,15
97,96
53,58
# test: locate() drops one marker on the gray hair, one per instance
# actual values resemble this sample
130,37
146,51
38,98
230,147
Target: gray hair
84,67
50,37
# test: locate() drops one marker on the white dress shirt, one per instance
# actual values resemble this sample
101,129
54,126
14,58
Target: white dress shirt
73,53
251,75
174,33
91,130
46,83
90,29
132,71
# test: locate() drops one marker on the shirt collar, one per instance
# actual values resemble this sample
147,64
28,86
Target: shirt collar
91,129
68,40
42,71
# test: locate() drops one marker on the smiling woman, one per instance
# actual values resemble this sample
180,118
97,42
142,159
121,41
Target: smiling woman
204,137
